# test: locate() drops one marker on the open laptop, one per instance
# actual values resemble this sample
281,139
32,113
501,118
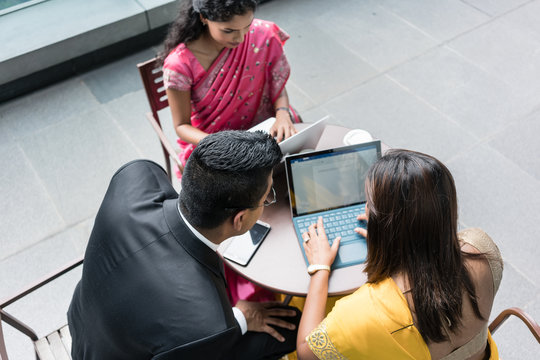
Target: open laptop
330,183
305,138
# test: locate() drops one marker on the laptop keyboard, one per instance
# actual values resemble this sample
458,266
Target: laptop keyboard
340,222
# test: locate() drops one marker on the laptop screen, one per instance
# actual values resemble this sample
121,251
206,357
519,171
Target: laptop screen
330,179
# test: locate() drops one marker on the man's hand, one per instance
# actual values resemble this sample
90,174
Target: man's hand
260,315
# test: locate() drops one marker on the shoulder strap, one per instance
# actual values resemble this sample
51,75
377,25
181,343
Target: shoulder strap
473,346
480,240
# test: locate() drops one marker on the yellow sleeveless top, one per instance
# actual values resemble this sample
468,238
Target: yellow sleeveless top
375,321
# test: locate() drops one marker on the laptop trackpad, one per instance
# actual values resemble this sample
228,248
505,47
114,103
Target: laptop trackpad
352,252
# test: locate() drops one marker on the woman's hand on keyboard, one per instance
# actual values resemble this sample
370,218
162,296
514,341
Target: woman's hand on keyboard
318,250
360,230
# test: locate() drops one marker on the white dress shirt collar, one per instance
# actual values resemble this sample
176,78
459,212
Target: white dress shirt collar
199,236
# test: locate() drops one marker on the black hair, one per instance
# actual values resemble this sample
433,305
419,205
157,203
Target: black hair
188,25
227,172
412,203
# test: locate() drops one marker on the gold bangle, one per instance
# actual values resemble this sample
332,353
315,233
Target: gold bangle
313,268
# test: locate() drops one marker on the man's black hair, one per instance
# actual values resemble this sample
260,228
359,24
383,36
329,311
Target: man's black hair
227,172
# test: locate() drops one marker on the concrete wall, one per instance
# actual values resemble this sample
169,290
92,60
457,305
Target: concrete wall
55,31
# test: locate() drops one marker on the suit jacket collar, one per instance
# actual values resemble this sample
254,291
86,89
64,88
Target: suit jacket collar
189,241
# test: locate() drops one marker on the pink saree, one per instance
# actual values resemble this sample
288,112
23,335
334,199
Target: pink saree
240,87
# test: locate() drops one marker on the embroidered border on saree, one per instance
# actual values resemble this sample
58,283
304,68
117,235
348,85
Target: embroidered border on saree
320,344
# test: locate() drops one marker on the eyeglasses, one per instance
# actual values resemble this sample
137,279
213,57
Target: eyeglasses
270,199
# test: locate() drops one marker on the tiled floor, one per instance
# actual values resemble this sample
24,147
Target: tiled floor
458,79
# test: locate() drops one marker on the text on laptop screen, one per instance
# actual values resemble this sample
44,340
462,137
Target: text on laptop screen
330,180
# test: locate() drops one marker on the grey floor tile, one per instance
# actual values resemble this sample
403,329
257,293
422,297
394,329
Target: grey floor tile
44,310
495,48
6,136
478,100
519,142
317,113
514,340
27,212
399,119
335,71
526,16
442,19
496,195
18,346
374,34
288,14
129,111
298,98
117,78
31,113
515,291
29,265
495,7
77,182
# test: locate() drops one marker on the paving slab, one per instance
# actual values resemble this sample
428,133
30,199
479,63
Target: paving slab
28,214
400,119
336,70
375,35
496,7
498,196
129,111
443,19
48,106
118,78
96,148
495,48
519,142
480,101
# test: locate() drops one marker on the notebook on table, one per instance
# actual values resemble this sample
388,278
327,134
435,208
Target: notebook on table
330,183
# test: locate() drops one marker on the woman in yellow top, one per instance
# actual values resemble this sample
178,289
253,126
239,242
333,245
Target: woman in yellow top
430,289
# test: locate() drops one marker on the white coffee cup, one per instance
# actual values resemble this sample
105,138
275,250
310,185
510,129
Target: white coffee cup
357,136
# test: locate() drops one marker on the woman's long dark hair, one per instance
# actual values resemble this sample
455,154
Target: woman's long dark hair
188,25
412,228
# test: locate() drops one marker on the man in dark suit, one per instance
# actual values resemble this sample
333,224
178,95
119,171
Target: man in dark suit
153,286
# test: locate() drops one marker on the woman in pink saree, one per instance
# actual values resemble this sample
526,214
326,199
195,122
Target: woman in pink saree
225,71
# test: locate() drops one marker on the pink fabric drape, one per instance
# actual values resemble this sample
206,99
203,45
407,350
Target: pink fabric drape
239,89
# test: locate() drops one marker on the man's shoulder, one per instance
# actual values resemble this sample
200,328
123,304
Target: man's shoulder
139,165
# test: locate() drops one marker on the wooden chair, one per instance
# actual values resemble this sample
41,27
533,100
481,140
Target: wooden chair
56,345
152,78
523,316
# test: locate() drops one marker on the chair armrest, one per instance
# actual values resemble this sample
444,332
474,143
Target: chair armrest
164,141
505,314
19,325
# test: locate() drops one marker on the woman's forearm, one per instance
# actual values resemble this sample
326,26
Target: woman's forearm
282,101
313,313
190,134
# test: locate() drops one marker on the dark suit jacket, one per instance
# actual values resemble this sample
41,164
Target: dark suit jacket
150,289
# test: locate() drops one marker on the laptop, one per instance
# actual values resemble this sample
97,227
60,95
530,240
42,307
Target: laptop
330,183
305,138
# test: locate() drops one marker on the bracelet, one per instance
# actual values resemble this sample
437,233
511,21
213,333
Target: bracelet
283,108
313,268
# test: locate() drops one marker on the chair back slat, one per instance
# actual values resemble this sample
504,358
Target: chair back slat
152,77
